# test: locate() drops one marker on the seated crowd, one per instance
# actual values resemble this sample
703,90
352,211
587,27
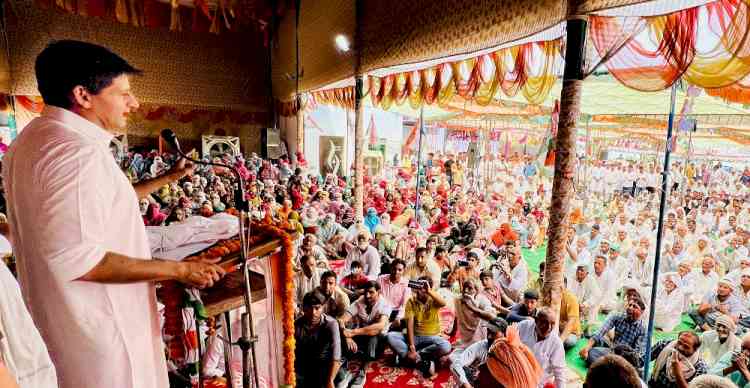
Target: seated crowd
446,285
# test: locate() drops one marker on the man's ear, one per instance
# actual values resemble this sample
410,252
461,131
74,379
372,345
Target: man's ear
81,97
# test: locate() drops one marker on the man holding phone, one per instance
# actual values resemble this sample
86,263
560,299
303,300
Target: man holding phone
422,344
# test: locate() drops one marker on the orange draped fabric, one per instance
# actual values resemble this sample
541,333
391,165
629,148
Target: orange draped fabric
738,92
709,46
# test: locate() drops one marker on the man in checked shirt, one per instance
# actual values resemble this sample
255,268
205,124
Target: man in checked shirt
629,330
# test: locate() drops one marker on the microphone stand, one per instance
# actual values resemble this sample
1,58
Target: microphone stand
248,339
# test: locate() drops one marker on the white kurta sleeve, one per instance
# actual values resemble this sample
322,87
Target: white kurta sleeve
77,193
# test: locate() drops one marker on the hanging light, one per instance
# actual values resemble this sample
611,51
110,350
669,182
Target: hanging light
342,43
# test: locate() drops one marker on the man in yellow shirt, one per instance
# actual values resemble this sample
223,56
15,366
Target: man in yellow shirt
422,344
570,312
570,319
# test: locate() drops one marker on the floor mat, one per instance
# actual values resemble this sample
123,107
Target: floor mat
380,373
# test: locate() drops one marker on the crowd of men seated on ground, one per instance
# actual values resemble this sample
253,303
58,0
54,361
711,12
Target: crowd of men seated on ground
437,286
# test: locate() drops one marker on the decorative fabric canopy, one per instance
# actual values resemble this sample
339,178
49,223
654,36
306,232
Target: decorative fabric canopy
706,45
212,16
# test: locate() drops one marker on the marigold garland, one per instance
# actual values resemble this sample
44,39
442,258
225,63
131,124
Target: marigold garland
263,232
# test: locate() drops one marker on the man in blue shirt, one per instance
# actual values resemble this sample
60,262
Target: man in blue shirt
524,310
629,330
529,169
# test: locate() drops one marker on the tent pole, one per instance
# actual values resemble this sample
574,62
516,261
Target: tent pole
359,113
419,160
659,231
565,159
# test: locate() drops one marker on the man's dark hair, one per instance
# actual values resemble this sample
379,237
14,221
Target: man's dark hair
440,249
311,299
396,262
531,294
498,324
486,274
65,64
370,284
628,354
355,264
420,250
305,258
326,275
612,371
696,338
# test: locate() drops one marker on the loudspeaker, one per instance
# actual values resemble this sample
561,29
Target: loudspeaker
270,140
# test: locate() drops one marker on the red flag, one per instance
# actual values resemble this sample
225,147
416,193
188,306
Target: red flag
410,139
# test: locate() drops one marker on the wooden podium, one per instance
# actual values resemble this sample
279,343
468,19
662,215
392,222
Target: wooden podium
228,294
224,296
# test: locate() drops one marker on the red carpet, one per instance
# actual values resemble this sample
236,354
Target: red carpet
380,374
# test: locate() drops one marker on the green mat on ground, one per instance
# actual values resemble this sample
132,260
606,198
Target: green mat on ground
535,256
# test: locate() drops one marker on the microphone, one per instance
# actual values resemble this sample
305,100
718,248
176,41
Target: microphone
171,139
239,194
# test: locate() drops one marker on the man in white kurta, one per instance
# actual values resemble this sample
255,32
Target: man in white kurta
84,262
70,204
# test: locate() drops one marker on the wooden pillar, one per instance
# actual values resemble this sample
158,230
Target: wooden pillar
565,163
359,119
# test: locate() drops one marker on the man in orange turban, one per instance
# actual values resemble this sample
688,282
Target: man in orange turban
510,364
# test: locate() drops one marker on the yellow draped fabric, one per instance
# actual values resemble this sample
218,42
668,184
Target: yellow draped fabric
529,68
708,46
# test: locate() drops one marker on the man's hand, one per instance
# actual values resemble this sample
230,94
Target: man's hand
412,356
351,345
584,353
199,275
182,165
722,308
674,363
741,363
466,385
348,333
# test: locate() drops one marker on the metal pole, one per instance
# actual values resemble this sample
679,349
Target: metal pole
659,230
419,159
